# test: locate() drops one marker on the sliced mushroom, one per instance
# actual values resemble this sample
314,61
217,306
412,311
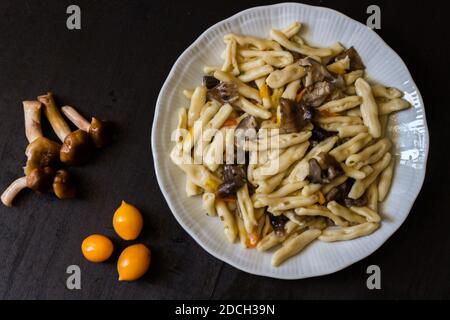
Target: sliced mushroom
77,145
339,193
316,72
319,134
294,116
355,59
210,82
224,92
278,223
63,185
324,169
234,178
100,131
317,93
361,202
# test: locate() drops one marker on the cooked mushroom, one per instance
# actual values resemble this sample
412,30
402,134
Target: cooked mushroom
316,72
278,223
355,59
324,169
339,193
317,93
360,202
77,145
210,82
245,130
63,185
294,116
319,134
224,92
234,177
100,131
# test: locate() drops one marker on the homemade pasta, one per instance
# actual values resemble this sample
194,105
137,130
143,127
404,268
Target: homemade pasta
285,143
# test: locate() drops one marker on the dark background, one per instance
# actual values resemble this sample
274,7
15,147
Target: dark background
114,68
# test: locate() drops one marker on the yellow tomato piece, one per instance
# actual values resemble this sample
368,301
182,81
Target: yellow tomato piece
97,248
133,262
127,221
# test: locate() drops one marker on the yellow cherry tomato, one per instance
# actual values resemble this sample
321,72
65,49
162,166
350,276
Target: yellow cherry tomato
127,221
133,262
97,248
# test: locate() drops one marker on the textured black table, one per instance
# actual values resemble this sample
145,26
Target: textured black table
114,68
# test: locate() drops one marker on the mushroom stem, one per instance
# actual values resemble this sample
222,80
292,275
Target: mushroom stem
32,113
55,118
14,188
76,118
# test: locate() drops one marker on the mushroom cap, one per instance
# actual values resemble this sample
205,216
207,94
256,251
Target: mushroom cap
42,153
41,179
63,185
100,132
76,149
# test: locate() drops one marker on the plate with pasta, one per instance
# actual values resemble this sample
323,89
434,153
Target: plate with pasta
290,141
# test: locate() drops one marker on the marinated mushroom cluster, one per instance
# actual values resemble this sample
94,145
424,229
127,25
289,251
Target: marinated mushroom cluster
45,169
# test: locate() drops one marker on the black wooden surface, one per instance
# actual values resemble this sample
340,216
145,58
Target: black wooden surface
114,68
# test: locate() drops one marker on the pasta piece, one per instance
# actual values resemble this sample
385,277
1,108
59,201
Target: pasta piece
285,203
279,37
249,65
372,196
393,106
343,151
279,78
352,76
334,183
384,119
198,100
351,130
267,227
272,239
370,154
294,245
213,155
345,213
385,181
310,189
243,88
278,141
348,233
254,110
369,108
188,94
277,59
360,186
256,73
283,162
245,206
380,91
230,64
321,211
366,212
340,105
287,189
353,172
261,44
356,112
292,29
228,220
209,203
291,90
191,188
340,66
268,185
209,112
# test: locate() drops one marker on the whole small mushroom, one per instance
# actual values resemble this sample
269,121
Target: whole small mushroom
77,145
63,185
100,131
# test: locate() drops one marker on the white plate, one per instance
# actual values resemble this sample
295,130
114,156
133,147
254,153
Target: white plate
323,27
